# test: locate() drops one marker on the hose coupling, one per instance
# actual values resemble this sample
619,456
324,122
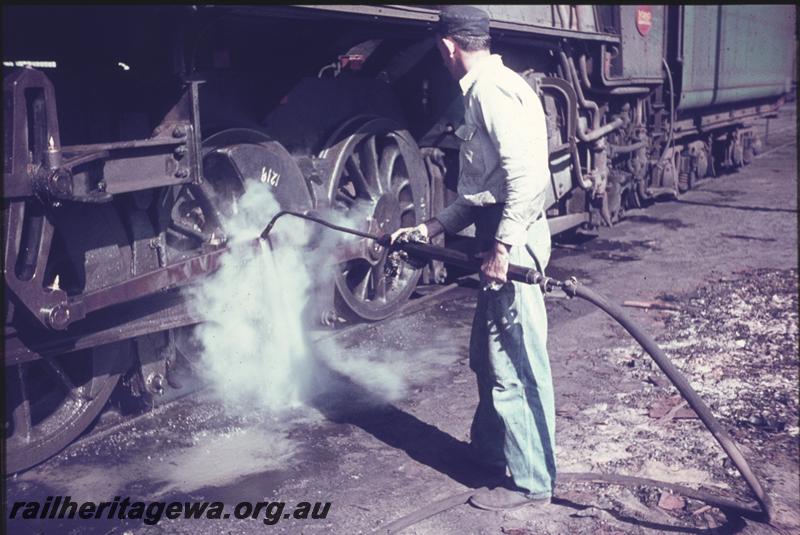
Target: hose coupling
547,284
570,286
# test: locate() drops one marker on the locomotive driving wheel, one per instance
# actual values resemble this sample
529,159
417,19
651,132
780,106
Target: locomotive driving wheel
377,182
51,401
198,211
231,158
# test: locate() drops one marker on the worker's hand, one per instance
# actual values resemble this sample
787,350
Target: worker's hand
421,228
495,265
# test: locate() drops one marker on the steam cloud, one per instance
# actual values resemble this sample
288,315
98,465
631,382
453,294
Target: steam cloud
254,343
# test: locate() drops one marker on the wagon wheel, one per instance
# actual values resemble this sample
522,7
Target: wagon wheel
377,182
49,402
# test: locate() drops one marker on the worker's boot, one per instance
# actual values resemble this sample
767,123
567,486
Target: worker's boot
503,498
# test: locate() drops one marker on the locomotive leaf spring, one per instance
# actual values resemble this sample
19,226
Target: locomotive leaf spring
574,289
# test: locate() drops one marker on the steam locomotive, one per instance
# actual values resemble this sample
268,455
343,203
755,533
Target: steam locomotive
130,132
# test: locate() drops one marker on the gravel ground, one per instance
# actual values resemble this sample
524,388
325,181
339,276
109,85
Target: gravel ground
736,342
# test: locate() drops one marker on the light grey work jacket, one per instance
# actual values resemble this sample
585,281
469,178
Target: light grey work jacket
503,156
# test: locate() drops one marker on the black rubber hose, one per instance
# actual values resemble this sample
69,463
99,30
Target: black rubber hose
671,138
574,289
428,511
683,386
444,504
346,230
746,509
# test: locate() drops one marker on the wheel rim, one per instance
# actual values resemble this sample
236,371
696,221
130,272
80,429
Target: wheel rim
376,168
199,210
49,402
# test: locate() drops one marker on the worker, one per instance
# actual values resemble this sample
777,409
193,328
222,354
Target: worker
501,188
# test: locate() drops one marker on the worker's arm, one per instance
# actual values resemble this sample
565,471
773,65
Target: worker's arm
452,219
428,229
455,217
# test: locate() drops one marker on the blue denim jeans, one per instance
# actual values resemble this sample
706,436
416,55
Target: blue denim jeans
514,424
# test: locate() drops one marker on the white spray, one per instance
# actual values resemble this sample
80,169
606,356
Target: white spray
255,348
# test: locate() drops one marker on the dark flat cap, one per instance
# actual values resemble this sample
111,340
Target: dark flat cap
463,20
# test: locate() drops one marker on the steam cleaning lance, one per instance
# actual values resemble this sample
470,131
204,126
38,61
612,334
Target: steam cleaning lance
423,251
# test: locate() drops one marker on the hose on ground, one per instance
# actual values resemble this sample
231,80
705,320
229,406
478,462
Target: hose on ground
760,511
433,508
574,289
444,504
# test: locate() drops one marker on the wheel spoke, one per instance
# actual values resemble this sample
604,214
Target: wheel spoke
358,178
369,162
379,281
352,250
360,289
385,167
344,198
44,420
388,159
401,184
62,379
22,412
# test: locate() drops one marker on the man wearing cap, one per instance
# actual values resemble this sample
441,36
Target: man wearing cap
502,179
